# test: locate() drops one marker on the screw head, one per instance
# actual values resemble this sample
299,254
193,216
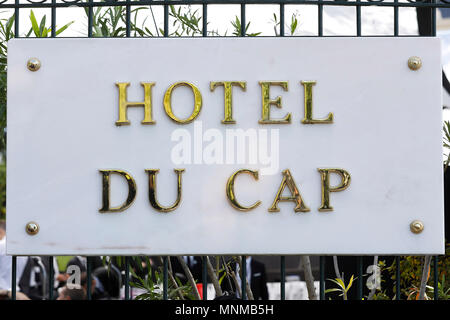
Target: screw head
32,228
414,63
33,64
416,226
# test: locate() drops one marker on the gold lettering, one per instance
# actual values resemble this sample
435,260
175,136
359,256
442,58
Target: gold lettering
230,190
228,97
124,104
152,190
267,102
197,102
326,189
106,188
296,197
308,102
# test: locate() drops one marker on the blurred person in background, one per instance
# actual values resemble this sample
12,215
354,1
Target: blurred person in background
75,293
6,266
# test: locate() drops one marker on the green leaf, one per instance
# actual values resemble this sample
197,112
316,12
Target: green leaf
294,26
339,282
60,30
332,290
349,284
222,277
42,28
133,273
34,24
9,25
98,31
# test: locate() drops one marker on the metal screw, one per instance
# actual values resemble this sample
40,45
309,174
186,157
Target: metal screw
416,226
414,63
33,64
32,228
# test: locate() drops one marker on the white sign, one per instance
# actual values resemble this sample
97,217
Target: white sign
263,146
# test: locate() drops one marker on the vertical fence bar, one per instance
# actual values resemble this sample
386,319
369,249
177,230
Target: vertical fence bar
127,20
53,23
396,18
283,278
127,278
436,277
282,20
205,278
165,277
16,19
90,18
322,277
89,277
244,278
14,278
320,20
433,19
204,262
166,20
243,20
205,20
359,266
397,278
358,18
51,278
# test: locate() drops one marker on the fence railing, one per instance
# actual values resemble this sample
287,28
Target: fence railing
430,7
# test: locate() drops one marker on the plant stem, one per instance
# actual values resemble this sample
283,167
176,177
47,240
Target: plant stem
248,290
188,274
309,279
213,277
175,285
233,276
336,268
424,280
